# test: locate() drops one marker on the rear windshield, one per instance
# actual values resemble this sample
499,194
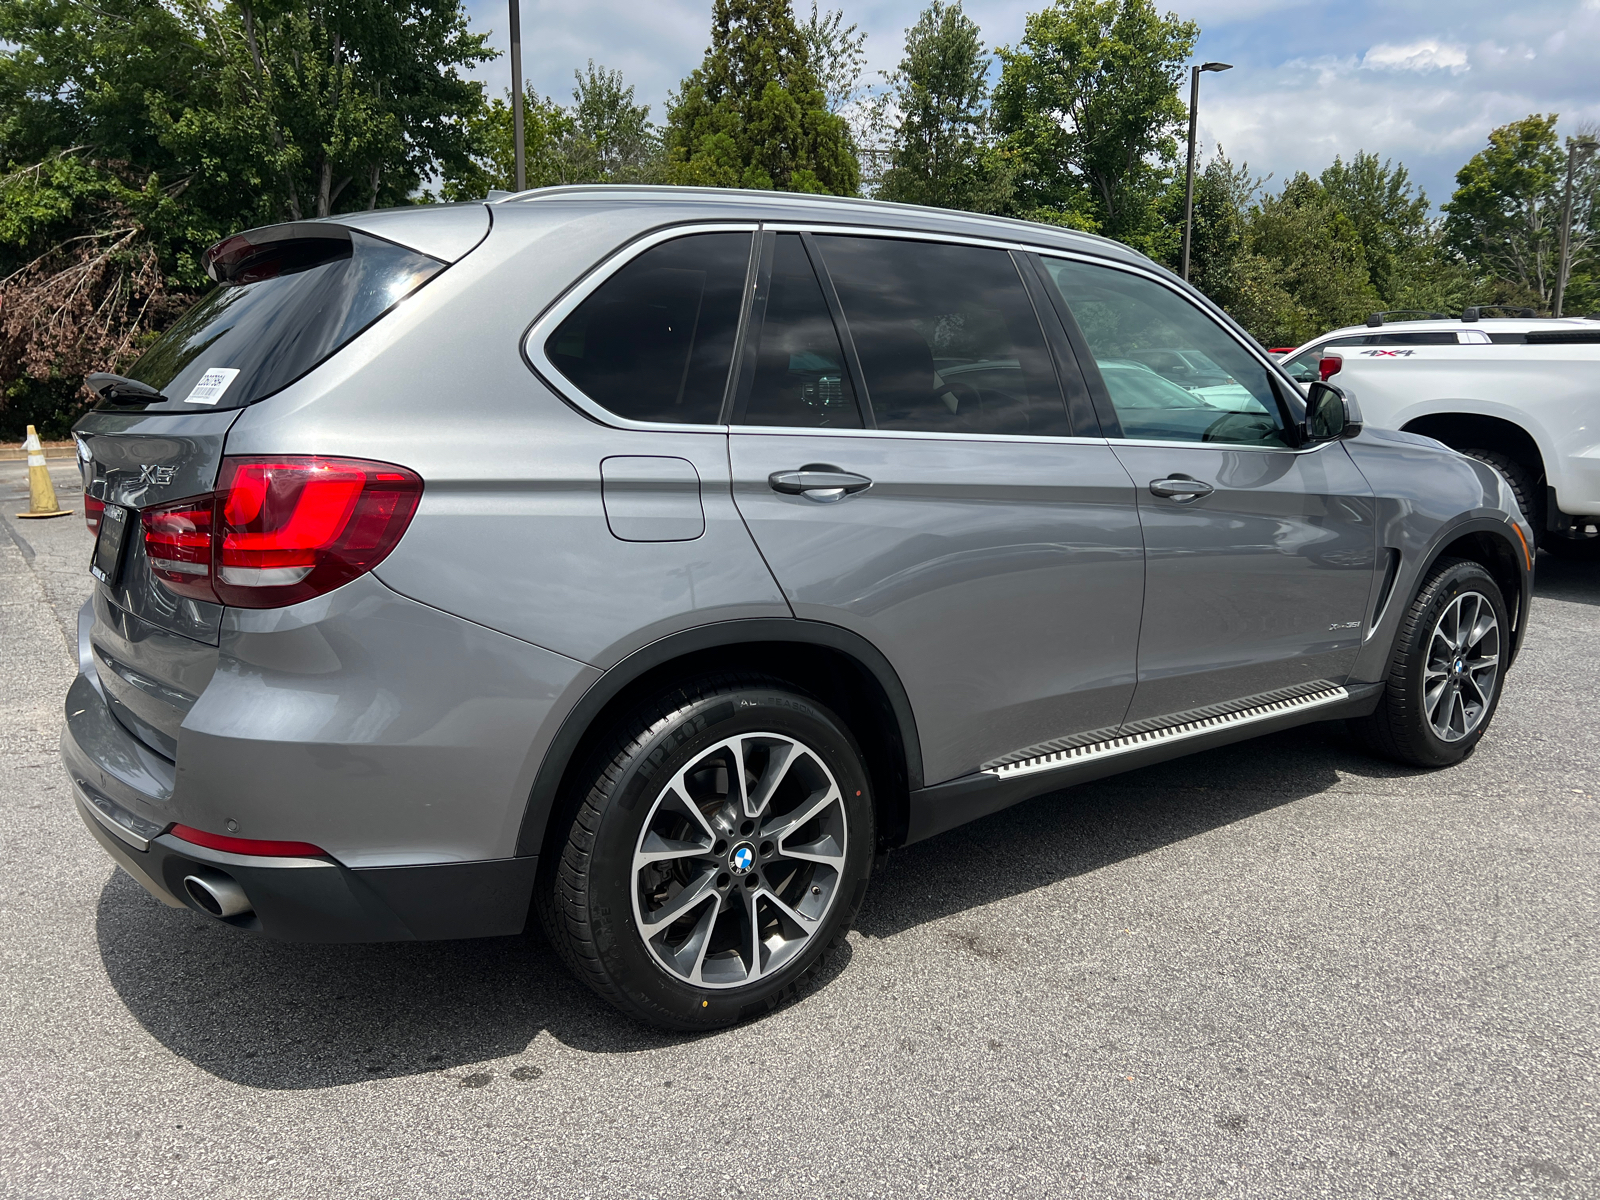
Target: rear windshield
285,307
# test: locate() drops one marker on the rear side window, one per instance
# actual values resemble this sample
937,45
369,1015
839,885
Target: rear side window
281,308
1421,337
947,337
800,378
654,341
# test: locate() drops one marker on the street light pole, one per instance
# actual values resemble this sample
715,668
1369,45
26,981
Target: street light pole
1563,264
516,94
1188,187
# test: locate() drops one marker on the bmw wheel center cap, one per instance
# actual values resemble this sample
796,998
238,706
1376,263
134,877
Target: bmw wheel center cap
742,858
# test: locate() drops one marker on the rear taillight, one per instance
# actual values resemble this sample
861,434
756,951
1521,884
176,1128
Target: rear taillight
1329,366
177,542
92,511
280,530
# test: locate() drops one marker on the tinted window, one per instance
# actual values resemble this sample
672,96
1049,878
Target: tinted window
1302,368
800,373
1424,337
947,337
287,306
653,343
1136,328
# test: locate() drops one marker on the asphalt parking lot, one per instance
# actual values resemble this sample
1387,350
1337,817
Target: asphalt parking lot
1276,969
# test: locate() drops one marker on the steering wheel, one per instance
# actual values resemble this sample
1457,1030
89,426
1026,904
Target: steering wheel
969,400
1246,428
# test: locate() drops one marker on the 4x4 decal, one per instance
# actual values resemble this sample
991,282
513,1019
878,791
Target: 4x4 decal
1388,353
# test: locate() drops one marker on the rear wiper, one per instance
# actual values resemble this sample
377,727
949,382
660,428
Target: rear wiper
119,387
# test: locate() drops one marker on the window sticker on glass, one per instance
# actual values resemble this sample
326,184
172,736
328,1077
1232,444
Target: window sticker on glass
212,384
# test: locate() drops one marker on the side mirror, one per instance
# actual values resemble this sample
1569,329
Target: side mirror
1330,413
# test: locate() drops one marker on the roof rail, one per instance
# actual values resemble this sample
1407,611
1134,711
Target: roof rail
1476,312
1378,318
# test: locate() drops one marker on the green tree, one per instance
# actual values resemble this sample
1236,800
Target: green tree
602,137
1223,196
612,140
753,114
1389,214
1316,256
133,133
838,56
1088,109
940,149
364,92
490,165
1507,204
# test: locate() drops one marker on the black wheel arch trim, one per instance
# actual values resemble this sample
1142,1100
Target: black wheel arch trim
1496,527
722,634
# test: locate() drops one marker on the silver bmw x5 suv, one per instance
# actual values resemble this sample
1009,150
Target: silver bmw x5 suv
657,560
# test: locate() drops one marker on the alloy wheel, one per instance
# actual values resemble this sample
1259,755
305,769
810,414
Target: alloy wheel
739,861
1463,666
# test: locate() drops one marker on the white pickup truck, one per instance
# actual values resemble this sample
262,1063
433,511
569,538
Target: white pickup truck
1519,393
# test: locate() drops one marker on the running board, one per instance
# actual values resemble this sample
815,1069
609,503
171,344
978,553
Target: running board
1171,733
1000,785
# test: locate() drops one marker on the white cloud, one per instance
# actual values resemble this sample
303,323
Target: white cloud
1426,55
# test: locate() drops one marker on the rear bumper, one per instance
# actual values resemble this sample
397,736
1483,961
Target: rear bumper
291,899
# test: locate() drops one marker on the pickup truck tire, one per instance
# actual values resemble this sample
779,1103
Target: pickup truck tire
1524,483
1446,669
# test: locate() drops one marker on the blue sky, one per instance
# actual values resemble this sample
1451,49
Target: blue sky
1420,81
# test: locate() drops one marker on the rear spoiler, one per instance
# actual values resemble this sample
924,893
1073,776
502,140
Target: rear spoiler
447,232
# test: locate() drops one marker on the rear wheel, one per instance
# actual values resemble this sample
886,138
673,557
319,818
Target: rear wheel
717,855
1444,678
1526,485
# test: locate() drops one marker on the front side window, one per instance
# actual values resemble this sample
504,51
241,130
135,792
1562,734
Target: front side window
947,337
654,341
800,377
1173,373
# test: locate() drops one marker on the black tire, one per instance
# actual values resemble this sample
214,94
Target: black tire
1526,485
587,904
1399,729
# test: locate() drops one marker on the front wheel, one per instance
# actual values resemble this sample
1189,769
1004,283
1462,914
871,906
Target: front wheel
717,855
1445,674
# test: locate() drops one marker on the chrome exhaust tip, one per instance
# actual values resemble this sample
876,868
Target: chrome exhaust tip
217,895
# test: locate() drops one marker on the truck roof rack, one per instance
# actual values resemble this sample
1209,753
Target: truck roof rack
1476,312
1378,318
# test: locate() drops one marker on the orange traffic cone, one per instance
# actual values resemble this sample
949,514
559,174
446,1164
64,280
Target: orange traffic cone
41,492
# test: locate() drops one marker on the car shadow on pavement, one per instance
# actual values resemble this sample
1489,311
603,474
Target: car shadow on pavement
1566,579
1074,832
278,1015
288,1016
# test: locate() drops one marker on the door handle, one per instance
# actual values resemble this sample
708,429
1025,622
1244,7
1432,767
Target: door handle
818,482
1180,488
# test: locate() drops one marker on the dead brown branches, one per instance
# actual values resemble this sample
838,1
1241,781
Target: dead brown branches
83,305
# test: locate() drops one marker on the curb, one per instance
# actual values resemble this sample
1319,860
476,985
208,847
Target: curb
18,454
